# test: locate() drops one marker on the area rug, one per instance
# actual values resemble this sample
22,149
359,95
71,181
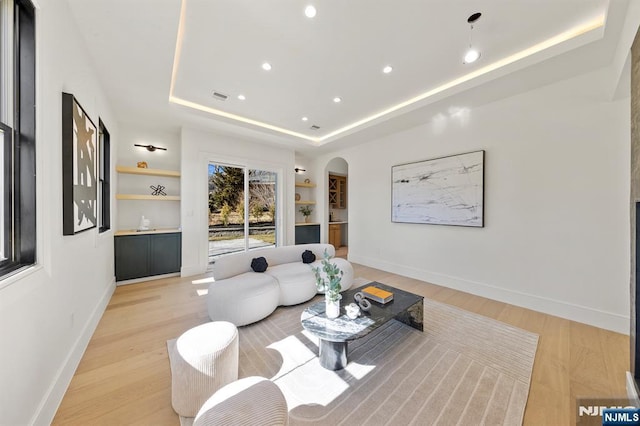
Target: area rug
463,369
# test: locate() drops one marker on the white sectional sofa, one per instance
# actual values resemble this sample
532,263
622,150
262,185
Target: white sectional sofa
241,296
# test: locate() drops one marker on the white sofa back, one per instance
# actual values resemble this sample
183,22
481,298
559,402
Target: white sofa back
239,263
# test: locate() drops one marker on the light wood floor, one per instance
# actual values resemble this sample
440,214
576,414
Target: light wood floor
124,376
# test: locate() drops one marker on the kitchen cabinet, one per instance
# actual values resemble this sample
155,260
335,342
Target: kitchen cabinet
335,235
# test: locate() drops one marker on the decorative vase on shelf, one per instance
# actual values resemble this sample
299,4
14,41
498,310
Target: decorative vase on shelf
332,308
306,219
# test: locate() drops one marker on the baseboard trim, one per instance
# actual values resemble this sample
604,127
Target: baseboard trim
189,271
583,314
49,405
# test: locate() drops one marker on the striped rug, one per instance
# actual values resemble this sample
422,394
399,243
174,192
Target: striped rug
463,369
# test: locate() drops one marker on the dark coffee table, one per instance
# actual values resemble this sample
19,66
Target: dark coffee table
334,334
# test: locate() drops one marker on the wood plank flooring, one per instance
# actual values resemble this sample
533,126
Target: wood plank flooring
124,376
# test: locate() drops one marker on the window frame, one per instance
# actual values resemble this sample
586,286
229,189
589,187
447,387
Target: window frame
19,162
104,177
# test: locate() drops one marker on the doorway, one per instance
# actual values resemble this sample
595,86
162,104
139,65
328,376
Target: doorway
337,178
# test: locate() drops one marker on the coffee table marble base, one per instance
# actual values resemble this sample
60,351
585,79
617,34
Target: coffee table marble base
333,355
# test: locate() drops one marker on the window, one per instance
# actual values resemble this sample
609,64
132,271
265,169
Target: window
104,186
243,212
17,134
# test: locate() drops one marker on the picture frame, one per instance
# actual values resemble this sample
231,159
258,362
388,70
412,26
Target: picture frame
440,191
79,168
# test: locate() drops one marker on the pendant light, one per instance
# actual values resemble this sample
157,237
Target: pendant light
472,54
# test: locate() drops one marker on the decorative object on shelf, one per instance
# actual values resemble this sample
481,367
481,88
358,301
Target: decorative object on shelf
150,148
142,165
362,301
307,181
441,191
306,212
158,190
353,310
328,280
298,197
79,168
299,170
144,224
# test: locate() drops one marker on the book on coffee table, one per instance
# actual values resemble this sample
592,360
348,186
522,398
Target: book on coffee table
377,294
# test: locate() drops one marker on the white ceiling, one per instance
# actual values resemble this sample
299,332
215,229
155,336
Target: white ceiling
161,60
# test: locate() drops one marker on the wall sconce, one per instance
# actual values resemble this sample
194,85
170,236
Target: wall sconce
299,170
150,148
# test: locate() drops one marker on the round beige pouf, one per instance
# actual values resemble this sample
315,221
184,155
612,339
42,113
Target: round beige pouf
206,360
248,402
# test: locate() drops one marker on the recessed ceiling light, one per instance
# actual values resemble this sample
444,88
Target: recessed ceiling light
310,11
337,99
387,69
266,66
241,97
305,118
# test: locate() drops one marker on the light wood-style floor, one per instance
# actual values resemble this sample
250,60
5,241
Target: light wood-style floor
124,376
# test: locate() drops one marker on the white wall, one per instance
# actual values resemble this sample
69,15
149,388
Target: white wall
198,149
162,214
48,314
556,235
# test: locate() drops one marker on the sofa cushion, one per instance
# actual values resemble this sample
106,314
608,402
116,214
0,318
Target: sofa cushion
238,263
243,299
297,282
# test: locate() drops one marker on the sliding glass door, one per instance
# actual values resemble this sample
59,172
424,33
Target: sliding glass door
242,209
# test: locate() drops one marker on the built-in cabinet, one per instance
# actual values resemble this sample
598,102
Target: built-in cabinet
139,256
337,192
149,252
308,231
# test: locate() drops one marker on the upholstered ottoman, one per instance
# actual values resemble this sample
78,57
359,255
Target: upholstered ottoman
243,299
247,402
206,359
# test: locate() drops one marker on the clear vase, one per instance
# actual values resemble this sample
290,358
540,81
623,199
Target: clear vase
332,308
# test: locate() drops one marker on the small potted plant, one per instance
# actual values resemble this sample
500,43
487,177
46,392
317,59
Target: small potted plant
306,212
328,280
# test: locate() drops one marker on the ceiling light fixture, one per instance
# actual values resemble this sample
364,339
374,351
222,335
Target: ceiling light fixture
387,69
305,118
241,97
150,148
266,66
337,99
310,11
472,54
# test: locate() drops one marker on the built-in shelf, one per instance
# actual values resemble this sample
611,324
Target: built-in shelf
147,172
306,223
305,185
148,231
148,197
306,203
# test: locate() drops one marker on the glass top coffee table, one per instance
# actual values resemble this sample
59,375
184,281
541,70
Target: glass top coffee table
334,334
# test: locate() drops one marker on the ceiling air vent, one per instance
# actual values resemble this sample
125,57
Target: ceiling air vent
314,127
220,96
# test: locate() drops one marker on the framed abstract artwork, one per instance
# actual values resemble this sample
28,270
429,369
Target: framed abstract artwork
441,191
79,168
